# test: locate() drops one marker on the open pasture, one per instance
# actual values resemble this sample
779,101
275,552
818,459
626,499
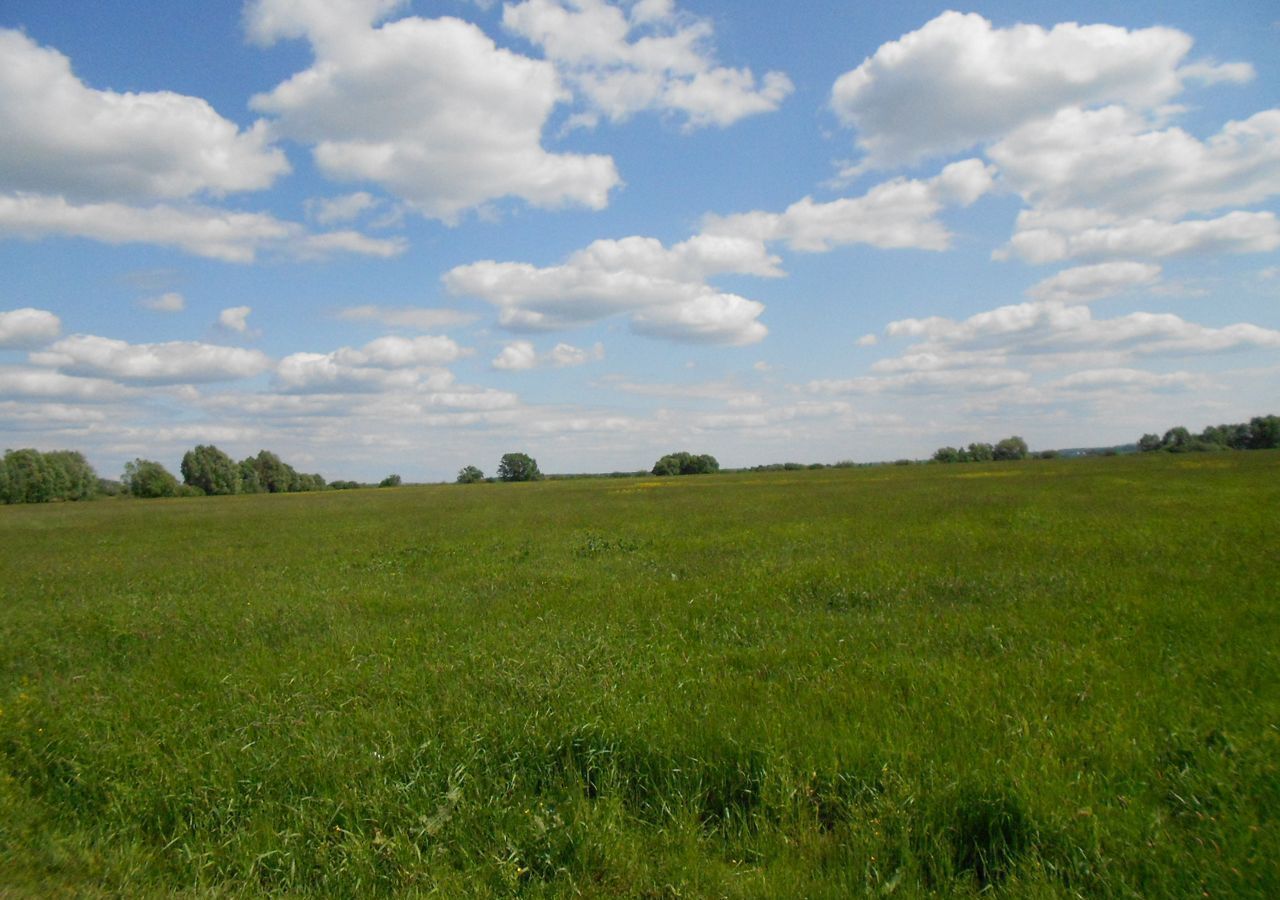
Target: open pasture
1041,678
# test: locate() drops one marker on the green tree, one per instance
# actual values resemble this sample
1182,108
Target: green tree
28,478
979,453
470,475
947,455
211,470
76,479
685,463
146,478
1264,433
311,482
1149,443
390,481
1176,440
1011,448
250,483
274,475
518,467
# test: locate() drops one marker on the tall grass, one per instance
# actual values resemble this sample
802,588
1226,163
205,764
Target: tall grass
1056,677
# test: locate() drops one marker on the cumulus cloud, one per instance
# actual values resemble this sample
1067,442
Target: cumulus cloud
1053,327
895,214
430,109
1046,238
169,302
1076,119
517,356
521,355
1083,284
328,210
175,362
28,327
411,317
958,81
199,230
235,318
653,59
665,290
65,138
661,288
1111,161
926,382
386,364
42,384
1089,380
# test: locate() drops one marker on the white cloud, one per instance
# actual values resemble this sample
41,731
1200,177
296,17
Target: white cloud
30,383
430,109
1050,238
175,362
1084,284
393,352
521,356
517,356
657,59
200,230
327,210
958,82
867,340
1110,161
235,318
27,327
895,214
664,290
418,319
660,288
926,382
330,373
64,138
565,355
1108,379
387,364
1052,327
169,302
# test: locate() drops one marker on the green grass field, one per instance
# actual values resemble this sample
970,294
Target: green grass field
1040,678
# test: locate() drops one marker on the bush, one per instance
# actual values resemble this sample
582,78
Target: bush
390,481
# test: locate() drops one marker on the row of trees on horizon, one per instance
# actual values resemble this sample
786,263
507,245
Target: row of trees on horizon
32,476
1259,433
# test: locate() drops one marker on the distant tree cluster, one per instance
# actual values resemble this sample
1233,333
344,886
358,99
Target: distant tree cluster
1261,433
1010,448
207,470
512,467
29,476
684,463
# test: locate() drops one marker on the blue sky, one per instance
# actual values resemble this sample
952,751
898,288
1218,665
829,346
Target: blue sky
379,236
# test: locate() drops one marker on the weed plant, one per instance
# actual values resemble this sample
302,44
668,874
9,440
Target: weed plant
1050,678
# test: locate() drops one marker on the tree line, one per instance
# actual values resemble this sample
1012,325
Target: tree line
30,476
1010,448
1259,433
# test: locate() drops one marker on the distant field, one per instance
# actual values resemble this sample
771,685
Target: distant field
1042,678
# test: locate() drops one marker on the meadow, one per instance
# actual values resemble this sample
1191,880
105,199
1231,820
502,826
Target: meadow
1044,678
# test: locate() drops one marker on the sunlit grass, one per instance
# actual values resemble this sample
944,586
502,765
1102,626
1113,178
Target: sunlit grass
1059,678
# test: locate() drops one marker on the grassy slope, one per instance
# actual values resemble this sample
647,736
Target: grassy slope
1048,677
